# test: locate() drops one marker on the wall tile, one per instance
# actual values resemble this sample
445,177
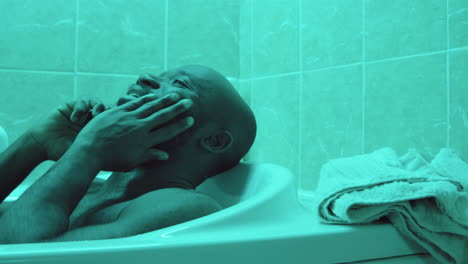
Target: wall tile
275,37
234,82
204,32
458,23
37,36
108,89
331,33
459,102
245,89
276,107
400,27
28,98
118,37
405,105
245,41
331,119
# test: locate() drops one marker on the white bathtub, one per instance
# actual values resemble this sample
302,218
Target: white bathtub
263,223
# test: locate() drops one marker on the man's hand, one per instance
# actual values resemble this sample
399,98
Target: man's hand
124,137
57,133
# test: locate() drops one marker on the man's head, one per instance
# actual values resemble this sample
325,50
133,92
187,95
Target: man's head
224,129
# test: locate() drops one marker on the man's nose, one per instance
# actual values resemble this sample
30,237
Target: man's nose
149,80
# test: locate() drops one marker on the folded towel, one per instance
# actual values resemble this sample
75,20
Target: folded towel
426,202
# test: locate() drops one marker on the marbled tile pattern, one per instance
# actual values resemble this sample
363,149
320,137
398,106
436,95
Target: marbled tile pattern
374,74
325,78
458,23
204,32
275,104
406,105
331,118
334,38
27,98
37,35
106,88
459,102
401,28
275,42
118,36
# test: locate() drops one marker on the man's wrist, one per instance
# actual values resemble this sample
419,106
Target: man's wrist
36,149
86,152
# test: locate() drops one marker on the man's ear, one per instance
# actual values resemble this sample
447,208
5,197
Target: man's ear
218,142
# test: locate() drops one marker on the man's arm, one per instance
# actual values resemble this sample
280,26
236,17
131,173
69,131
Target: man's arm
173,206
120,139
17,161
43,211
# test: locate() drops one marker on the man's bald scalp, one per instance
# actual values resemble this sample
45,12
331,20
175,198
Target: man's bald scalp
224,108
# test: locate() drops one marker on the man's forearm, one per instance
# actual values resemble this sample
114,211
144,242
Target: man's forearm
16,162
43,211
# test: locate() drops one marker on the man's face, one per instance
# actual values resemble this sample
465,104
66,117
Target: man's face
178,81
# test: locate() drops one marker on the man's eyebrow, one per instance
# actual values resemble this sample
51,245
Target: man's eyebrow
191,80
175,73
184,73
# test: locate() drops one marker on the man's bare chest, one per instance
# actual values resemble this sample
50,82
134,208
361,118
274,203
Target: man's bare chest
97,208
94,210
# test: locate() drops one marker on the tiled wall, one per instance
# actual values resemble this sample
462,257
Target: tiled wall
326,78
335,78
52,51
55,50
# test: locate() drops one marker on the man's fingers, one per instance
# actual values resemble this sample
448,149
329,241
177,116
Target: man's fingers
156,154
80,110
85,109
171,130
97,109
93,101
135,104
167,114
156,105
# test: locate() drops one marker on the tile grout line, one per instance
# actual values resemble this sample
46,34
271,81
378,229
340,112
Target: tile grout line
353,64
273,76
408,56
108,74
459,48
250,85
242,80
251,52
70,73
447,76
301,106
240,46
363,80
36,71
75,66
166,19
334,67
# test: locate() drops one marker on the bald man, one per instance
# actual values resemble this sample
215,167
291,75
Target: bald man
164,138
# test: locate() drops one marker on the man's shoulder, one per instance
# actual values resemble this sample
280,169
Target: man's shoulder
149,212
176,199
165,207
178,193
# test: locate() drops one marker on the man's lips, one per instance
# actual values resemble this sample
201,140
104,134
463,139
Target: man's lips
136,89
